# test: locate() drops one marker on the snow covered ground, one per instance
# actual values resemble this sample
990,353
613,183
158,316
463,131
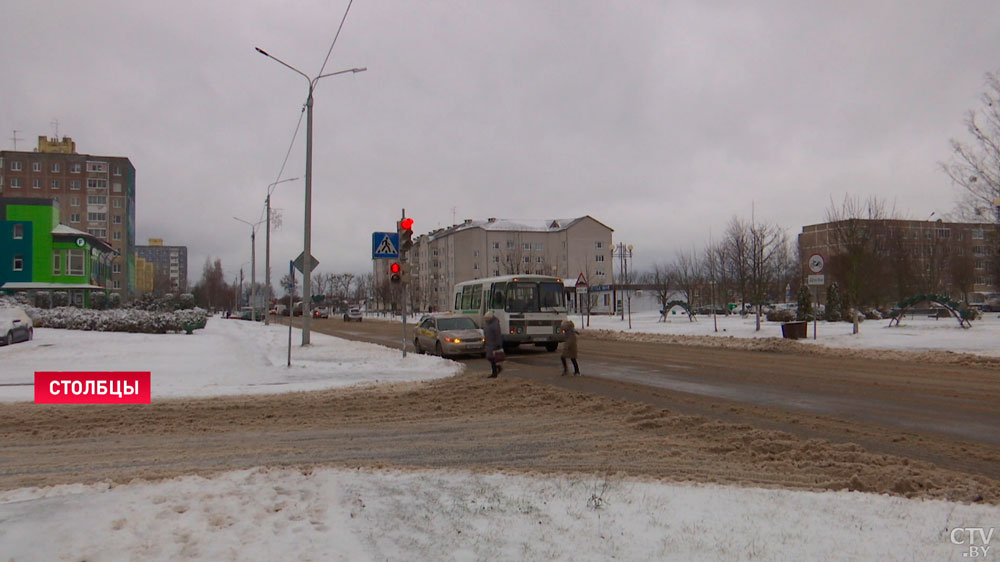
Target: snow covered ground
336,514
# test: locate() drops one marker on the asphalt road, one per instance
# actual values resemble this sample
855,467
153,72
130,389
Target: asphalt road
883,399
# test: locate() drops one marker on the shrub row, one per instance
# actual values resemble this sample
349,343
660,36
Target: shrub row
119,320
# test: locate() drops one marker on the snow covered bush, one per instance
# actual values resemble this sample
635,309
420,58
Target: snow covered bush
782,315
118,320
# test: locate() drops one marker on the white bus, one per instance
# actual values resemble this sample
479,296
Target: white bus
530,308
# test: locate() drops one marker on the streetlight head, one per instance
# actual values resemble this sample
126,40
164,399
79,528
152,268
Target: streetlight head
357,70
262,51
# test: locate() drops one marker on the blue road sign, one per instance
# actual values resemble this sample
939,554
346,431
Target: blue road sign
385,245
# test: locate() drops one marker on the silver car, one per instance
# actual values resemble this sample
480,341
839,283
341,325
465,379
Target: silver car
447,334
15,325
352,314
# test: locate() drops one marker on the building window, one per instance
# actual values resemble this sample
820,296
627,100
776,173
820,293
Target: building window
97,167
116,235
96,183
55,167
496,259
36,183
15,166
600,245
526,246
56,263
527,259
97,217
116,268
475,254
97,199
116,284
475,266
74,184
74,265
98,232
599,273
496,245
55,184
539,259
18,231
539,246
977,234
75,168
118,171
117,219
117,203
18,262
36,167
74,218
496,273
599,257
15,183
74,201
117,187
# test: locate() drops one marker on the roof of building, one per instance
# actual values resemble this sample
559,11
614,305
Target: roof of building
63,230
514,225
30,285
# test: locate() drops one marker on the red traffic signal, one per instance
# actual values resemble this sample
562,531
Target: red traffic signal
406,224
395,272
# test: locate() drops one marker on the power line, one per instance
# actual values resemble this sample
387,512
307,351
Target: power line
342,20
291,145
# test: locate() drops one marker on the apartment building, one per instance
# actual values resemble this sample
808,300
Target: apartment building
170,267
476,249
909,257
93,194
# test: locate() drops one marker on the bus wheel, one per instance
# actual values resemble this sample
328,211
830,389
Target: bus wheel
551,346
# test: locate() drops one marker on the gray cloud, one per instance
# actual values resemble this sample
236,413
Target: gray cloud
661,119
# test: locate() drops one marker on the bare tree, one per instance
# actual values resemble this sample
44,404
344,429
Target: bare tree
975,165
663,282
861,235
688,274
737,248
768,249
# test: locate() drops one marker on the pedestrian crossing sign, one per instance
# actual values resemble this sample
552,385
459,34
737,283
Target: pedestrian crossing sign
385,245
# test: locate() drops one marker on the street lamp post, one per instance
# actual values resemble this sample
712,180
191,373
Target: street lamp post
267,237
253,266
307,237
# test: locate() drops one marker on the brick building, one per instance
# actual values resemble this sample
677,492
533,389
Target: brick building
169,266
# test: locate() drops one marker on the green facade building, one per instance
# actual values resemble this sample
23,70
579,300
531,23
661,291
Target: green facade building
39,254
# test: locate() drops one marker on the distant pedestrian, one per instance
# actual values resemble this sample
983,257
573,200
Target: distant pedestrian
494,343
569,348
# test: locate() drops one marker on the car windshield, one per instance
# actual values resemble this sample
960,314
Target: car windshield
458,323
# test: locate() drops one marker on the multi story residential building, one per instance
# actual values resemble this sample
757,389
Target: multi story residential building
93,194
487,248
170,267
897,259
37,253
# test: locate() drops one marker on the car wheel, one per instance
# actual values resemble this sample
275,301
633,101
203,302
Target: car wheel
31,334
438,350
416,346
9,340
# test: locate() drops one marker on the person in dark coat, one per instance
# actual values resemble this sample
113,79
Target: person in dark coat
494,341
569,347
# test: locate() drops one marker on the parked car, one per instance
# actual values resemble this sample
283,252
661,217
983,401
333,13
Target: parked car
321,312
352,314
279,310
297,309
447,334
15,325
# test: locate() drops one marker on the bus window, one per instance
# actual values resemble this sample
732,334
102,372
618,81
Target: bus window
477,297
497,301
522,297
551,295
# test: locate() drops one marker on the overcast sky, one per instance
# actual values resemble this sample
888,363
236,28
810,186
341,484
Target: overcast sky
661,119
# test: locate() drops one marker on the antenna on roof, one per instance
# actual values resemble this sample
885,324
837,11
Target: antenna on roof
55,128
15,139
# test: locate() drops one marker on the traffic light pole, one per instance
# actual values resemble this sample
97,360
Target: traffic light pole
402,304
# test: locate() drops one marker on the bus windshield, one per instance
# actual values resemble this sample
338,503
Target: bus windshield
534,297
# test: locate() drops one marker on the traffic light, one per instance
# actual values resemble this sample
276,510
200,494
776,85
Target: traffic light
405,230
395,272
404,272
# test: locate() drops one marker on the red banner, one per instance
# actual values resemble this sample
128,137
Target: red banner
92,387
